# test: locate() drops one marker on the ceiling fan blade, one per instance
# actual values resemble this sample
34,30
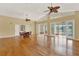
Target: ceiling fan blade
57,7
55,11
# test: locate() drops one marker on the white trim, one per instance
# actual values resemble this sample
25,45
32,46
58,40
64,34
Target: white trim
8,36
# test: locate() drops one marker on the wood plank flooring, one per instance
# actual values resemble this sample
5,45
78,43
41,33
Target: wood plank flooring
22,47
18,46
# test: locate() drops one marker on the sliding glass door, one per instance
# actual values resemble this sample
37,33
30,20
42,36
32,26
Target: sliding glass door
64,34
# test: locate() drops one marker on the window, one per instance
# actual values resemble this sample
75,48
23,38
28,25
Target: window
41,29
45,28
22,27
70,29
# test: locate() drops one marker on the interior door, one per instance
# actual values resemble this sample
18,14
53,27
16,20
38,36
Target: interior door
17,29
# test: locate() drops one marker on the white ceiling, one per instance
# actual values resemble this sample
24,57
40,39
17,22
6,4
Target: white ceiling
33,10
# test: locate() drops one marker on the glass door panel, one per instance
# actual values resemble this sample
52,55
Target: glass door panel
62,32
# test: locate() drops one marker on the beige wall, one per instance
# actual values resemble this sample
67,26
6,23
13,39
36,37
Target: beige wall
77,24
7,25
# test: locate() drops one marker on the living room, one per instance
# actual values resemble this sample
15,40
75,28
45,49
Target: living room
33,29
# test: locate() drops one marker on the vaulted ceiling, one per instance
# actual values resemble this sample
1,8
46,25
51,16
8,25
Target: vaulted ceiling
33,10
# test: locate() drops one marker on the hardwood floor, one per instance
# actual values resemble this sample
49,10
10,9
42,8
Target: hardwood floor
18,46
22,47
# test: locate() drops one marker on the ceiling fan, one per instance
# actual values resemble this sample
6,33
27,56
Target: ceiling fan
52,9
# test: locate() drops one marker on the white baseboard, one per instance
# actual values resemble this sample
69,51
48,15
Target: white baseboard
8,36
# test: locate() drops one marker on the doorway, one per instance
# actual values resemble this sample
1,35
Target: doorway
19,28
41,31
